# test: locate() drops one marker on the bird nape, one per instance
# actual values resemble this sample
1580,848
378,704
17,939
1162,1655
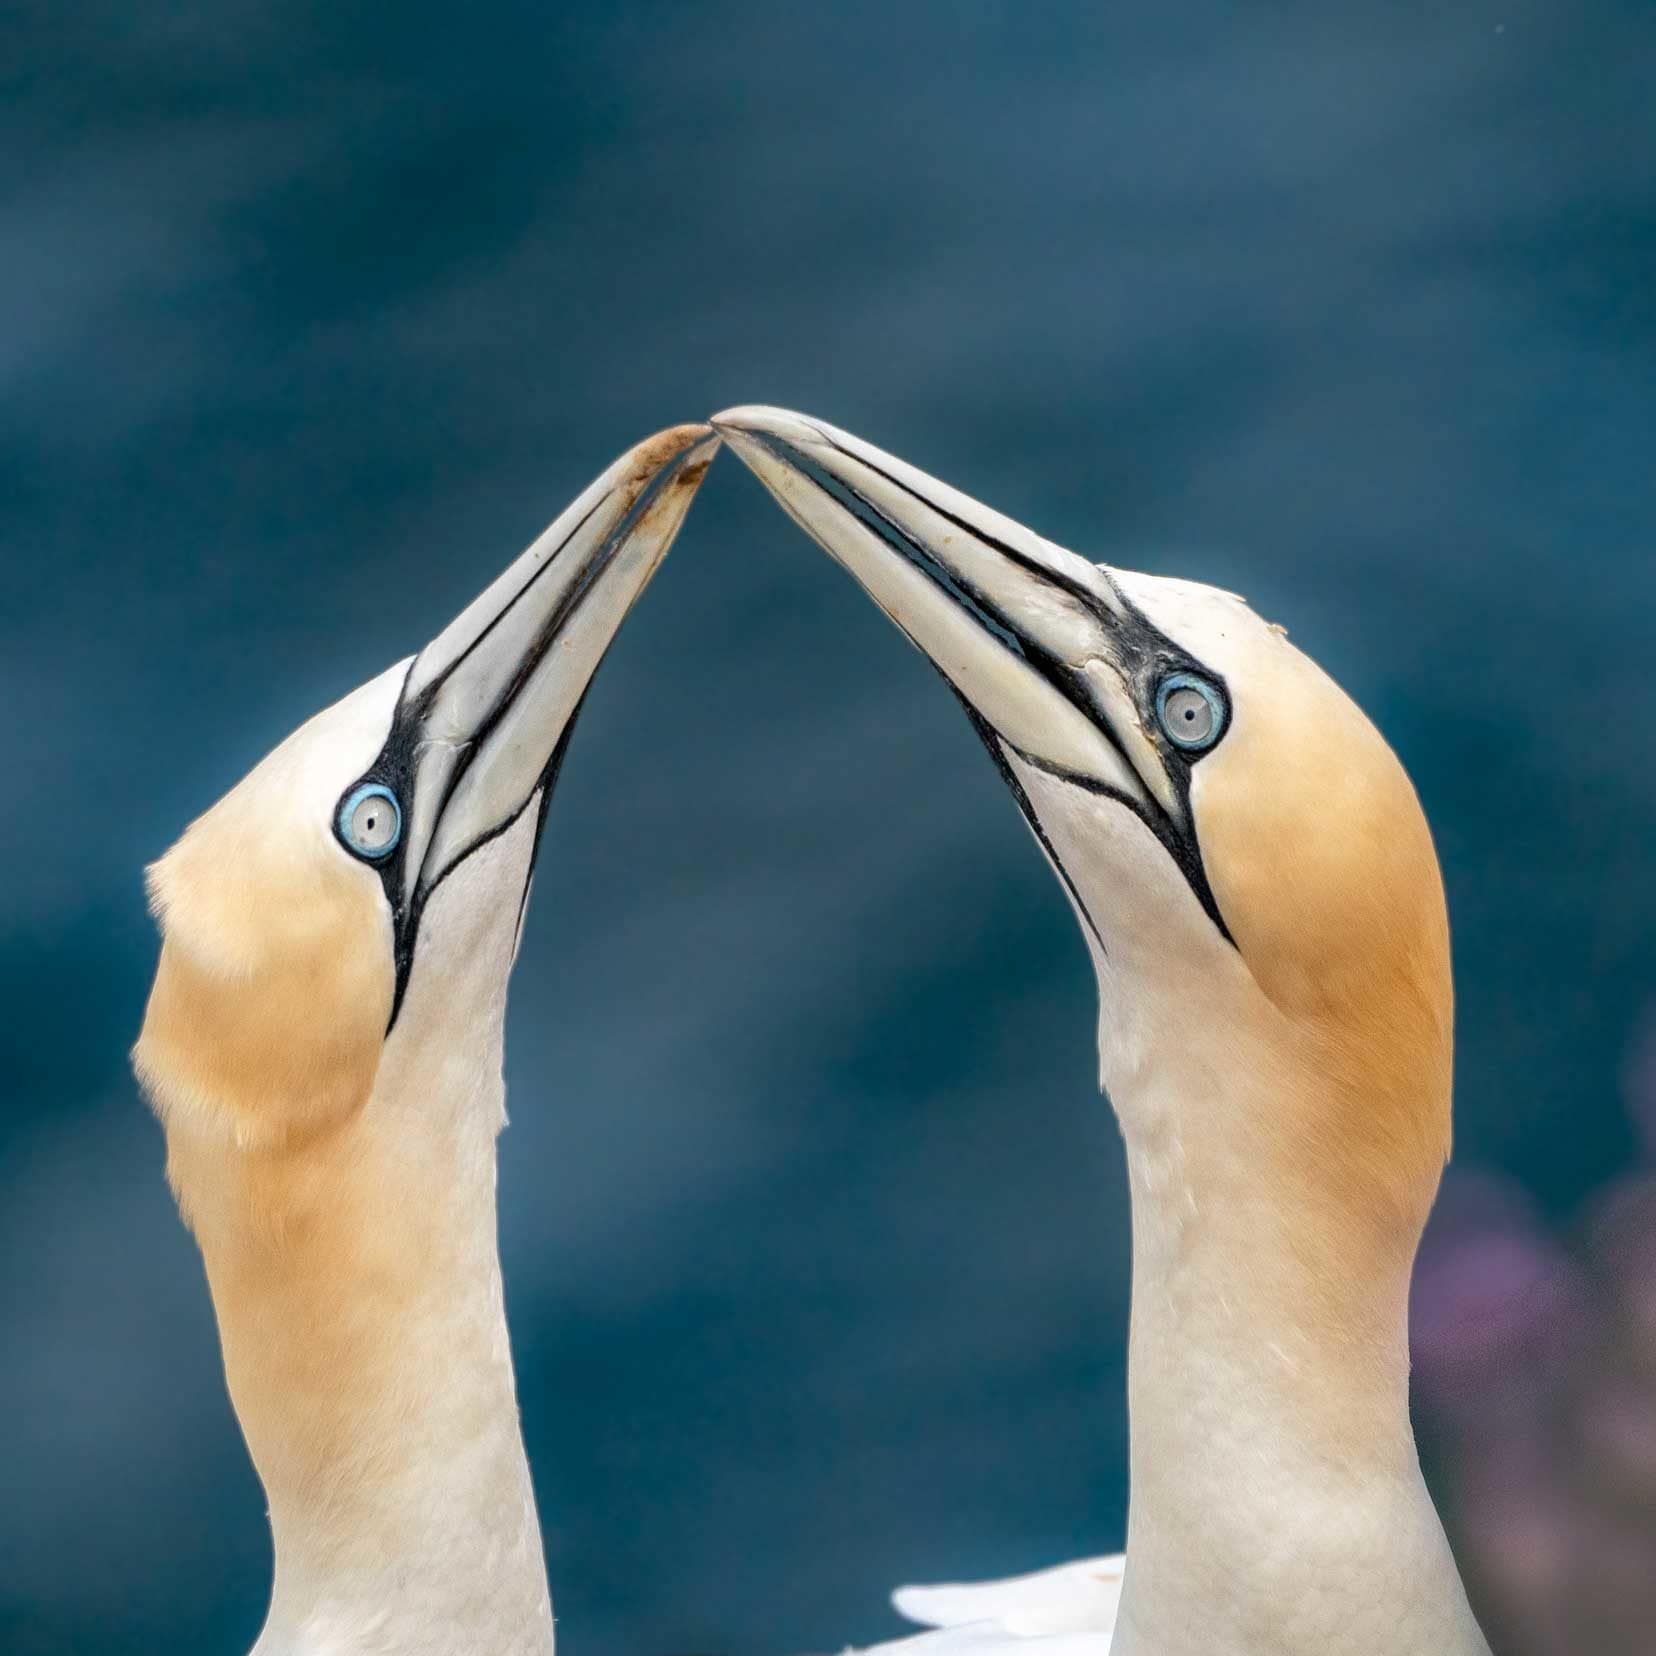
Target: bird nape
1259,894
323,1047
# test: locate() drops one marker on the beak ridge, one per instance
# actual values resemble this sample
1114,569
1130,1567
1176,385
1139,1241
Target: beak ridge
1018,626
487,706
754,424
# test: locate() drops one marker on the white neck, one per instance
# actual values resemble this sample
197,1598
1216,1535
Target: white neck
1277,1506
357,1283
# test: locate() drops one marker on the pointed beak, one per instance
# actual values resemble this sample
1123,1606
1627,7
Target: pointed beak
1038,643
489,704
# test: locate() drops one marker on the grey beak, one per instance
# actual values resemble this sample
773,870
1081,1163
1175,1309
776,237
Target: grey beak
1033,638
1056,668
489,704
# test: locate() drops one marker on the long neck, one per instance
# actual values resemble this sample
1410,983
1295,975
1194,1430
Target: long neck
357,1284
1277,1506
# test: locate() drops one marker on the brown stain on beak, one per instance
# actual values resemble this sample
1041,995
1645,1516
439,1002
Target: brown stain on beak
650,456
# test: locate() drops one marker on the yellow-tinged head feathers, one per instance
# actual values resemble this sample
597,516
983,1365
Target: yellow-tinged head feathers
1318,854
274,986
1324,869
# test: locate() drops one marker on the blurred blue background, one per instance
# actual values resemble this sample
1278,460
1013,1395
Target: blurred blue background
814,1224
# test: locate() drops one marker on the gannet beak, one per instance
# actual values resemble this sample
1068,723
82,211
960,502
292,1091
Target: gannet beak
1054,665
488,706
1036,641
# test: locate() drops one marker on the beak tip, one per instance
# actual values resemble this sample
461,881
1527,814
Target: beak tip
734,419
756,421
672,462
675,443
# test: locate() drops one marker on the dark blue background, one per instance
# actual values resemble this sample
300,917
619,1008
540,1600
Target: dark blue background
815,1228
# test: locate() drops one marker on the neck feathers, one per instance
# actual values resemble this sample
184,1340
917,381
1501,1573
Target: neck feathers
350,1244
1275,1481
356,1281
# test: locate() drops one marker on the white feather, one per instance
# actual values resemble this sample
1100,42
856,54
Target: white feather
1070,1598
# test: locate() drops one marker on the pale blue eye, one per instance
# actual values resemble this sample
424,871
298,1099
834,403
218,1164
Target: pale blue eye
370,821
1191,711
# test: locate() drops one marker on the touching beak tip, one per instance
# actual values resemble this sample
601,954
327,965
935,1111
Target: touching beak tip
742,418
754,422
664,472
770,442
666,446
677,478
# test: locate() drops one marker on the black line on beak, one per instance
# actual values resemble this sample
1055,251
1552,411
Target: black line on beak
992,740
397,762
548,782
983,609
1052,577
428,695
1143,660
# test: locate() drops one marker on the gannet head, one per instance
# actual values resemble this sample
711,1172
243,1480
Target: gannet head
369,876
1246,856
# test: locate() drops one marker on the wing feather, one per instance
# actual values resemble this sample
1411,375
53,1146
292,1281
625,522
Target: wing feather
1066,1611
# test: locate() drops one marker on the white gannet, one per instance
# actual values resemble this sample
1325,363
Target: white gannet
1260,897
323,1047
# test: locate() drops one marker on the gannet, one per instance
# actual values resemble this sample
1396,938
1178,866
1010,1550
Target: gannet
323,1047
1259,894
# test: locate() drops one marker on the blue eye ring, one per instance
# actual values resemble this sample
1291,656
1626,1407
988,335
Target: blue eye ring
1181,722
387,836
